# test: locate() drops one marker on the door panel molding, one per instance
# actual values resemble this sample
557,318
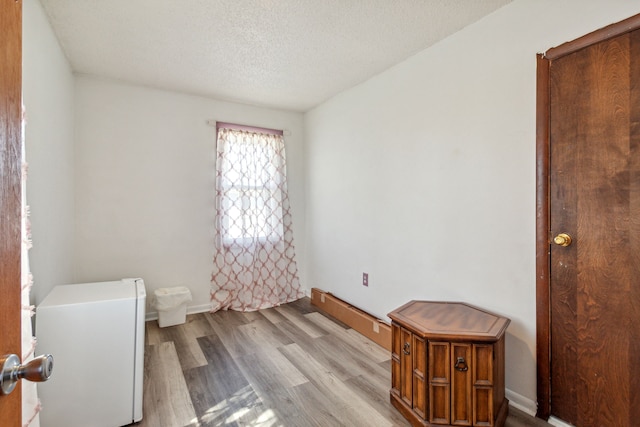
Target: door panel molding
543,238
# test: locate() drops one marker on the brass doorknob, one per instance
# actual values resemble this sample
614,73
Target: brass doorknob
562,239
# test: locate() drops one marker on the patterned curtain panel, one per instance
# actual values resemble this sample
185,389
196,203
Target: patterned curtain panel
254,261
30,402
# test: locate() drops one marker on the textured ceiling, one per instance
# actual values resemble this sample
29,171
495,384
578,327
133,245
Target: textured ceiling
287,54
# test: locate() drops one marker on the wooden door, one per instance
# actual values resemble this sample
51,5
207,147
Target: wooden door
10,194
396,372
593,281
483,384
406,390
461,397
419,375
439,382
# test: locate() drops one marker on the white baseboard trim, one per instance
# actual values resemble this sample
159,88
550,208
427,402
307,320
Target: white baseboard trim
522,403
204,308
558,422
529,407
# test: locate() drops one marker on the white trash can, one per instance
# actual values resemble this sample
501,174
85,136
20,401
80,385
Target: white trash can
171,304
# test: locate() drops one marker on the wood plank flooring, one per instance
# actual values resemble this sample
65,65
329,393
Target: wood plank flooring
285,366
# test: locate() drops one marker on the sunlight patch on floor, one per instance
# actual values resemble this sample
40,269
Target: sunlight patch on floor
244,408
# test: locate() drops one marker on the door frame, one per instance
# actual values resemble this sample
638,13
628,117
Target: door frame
543,231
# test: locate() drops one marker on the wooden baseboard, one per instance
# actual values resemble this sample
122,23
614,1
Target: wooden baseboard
370,326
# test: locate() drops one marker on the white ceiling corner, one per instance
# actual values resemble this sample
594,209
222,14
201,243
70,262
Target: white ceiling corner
285,54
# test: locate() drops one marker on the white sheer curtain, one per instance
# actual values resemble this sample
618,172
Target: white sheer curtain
254,261
30,402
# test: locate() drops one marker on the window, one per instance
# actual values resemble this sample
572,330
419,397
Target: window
249,187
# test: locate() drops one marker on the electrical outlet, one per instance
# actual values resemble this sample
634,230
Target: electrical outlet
365,279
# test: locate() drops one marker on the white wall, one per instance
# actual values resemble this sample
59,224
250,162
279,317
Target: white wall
48,98
424,176
144,176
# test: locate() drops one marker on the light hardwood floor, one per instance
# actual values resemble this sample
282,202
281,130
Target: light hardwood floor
285,366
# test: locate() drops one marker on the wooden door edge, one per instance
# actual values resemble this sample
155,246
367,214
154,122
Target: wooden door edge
543,320
10,196
608,32
543,323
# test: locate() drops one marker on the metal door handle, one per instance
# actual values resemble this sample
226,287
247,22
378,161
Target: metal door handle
461,364
37,370
562,239
406,349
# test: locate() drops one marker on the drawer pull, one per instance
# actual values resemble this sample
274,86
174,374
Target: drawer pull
405,350
461,365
